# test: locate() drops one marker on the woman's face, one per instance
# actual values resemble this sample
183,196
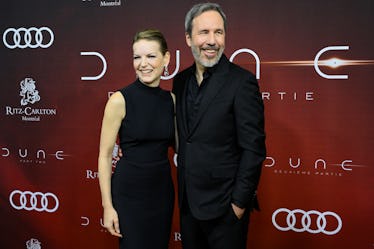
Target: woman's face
149,62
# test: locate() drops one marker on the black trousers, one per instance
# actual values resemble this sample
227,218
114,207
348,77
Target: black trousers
224,232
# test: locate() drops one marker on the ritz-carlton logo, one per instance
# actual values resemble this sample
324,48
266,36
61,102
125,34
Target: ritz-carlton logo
30,95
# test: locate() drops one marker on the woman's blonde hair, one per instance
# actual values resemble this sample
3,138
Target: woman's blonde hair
152,35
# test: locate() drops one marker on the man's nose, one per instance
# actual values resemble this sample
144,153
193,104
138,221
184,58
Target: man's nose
211,39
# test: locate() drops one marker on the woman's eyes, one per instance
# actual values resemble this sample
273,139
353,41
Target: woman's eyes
148,56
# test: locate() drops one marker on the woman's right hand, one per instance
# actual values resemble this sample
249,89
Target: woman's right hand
111,222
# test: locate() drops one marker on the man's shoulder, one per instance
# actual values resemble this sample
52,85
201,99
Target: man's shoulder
234,70
184,73
240,75
239,70
180,79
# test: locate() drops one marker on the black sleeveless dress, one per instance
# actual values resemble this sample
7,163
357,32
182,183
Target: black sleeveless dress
142,187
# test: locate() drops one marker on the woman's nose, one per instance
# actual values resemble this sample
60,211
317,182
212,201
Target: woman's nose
143,62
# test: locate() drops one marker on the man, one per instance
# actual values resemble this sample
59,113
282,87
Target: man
220,122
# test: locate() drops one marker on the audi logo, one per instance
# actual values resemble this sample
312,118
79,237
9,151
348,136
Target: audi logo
306,221
37,201
28,38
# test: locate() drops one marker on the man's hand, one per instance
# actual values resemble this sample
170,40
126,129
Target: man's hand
239,212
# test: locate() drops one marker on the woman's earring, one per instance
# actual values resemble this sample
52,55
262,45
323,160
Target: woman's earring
166,71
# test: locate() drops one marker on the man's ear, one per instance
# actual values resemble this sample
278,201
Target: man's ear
188,39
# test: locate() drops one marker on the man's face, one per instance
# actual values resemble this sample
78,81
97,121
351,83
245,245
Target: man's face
207,39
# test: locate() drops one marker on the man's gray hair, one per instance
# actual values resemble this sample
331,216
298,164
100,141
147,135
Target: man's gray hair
197,10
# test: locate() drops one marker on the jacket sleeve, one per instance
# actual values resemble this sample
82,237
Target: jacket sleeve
249,118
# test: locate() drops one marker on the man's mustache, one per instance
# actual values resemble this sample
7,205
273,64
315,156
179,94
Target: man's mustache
210,48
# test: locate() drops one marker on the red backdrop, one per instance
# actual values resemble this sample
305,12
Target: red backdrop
314,60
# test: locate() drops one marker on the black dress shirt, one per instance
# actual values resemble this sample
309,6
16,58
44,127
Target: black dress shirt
195,94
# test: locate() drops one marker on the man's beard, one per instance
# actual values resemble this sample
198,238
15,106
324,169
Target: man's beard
204,61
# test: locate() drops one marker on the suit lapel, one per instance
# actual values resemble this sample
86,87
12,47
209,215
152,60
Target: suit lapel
183,100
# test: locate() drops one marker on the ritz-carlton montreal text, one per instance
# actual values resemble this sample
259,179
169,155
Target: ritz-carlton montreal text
28,111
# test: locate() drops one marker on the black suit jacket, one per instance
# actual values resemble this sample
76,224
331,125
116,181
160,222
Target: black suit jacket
220,157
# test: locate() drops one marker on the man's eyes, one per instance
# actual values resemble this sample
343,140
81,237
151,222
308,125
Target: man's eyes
204,32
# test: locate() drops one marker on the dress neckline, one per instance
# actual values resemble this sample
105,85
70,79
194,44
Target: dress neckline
145,86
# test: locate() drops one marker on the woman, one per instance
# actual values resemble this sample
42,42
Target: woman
138,198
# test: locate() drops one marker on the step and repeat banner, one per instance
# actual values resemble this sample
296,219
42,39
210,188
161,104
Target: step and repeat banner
314,60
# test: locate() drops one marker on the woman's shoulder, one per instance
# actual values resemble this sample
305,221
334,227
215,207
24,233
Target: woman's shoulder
127,88
117,98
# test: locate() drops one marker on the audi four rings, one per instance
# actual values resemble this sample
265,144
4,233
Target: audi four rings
28,37
37,201
321,221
